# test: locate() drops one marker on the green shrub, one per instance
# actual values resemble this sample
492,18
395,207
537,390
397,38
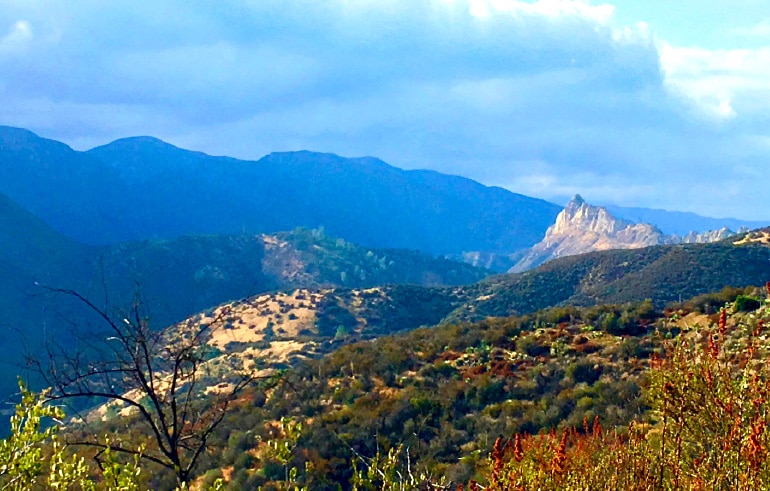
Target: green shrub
745,303
709,431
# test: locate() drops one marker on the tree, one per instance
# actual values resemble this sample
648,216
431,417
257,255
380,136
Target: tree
157,375
25,465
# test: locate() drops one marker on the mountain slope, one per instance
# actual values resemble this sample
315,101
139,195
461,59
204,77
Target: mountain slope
446,392
174,278
285,327
71,191
661,273
363,200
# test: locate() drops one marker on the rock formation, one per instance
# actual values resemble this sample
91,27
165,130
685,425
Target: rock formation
582,228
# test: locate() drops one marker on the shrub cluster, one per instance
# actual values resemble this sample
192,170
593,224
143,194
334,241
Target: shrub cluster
710,401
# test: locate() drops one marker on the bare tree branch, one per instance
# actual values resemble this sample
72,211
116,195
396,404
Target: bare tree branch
153,373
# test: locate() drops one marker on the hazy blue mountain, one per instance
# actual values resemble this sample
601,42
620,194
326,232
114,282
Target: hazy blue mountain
73,192
363,200
141,188
680,222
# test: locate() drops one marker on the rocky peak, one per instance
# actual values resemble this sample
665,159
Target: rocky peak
709,236
576,202
578,216
581,227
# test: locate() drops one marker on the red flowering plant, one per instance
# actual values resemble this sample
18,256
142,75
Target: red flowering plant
710,408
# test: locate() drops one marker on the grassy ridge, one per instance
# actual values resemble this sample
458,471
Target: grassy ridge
660,273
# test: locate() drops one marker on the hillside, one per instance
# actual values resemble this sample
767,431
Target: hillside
306,323
173,278
446,393
662,273
74,193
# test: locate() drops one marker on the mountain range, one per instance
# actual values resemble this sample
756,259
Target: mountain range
141,188
67,215
679,222
271,249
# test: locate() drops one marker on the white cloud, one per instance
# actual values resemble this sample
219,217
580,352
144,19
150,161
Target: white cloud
17,38
723,83
543,8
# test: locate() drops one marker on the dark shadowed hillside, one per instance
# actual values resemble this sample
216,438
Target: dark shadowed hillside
71,191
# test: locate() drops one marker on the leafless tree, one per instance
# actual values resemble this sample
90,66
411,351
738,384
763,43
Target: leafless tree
155,374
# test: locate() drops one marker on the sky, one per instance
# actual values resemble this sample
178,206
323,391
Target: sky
654,103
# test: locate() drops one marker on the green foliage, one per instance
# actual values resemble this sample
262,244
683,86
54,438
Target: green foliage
584,372
444,393
386,413
282,448
709,303
386,472
333,261
21,454
745,303
709,427
33,455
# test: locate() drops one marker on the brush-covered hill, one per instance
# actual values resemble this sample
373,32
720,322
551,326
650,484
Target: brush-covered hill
447,392
140,188
315,307
663,274
306,323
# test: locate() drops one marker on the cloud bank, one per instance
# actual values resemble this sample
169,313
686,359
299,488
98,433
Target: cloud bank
547,98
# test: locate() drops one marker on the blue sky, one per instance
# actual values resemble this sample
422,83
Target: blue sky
637,102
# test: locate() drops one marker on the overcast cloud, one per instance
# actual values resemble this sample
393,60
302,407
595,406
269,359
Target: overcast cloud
545,98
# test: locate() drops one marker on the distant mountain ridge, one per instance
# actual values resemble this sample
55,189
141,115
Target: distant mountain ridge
143,188
680,222
140,188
